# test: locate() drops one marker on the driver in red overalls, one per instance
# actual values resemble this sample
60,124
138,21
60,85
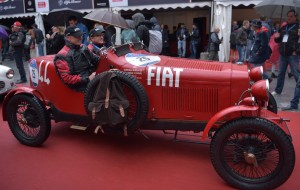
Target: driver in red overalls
75,63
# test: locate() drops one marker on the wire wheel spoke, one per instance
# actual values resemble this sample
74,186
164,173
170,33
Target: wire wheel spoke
27,120
251,155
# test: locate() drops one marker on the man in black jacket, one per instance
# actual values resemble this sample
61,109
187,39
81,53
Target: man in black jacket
214,45
195,41
16,40
287,37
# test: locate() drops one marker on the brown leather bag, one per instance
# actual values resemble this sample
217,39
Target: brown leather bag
109,105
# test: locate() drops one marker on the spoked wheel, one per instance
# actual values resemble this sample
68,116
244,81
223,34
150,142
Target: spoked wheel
252,153
28,119
135,94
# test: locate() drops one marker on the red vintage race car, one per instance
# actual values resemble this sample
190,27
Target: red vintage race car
251,146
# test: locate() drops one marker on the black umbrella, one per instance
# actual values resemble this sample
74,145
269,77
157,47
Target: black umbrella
107,17
59,17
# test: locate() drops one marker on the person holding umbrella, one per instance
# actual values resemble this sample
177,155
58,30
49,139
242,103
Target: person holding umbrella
287,37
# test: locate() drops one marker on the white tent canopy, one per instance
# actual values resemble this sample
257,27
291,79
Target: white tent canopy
237,2
221,18
164,6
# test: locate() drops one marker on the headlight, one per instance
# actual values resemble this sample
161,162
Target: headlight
10,74
260,90
256,73
248,101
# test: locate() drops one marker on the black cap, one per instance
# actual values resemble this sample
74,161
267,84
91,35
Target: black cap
96,31
73,31
256,23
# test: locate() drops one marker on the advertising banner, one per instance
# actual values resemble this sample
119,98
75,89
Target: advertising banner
153,2
42,6
29,6
101,4
11,7
118,3
72,4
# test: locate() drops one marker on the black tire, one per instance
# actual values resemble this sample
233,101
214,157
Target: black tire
272,104
28,119
271,151
135,93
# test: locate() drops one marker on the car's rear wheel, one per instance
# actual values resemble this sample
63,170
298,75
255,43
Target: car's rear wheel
252,153
28,119
135,93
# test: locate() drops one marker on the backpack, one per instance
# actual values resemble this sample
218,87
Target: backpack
109,105
155,42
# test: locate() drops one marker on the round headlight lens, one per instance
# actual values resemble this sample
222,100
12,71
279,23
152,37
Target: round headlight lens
256,73
260,90
10,74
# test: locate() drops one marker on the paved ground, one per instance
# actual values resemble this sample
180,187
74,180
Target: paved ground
283,100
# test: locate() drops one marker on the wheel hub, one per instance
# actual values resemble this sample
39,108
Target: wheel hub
23,121
30,118
250,158
250,149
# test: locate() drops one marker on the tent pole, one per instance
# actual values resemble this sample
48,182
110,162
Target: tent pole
211,15
281,14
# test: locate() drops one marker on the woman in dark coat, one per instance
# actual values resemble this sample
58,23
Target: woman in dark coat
55,41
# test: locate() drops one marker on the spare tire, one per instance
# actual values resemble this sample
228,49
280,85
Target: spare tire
135,93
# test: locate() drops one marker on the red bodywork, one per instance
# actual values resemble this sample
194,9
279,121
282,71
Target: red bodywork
177,89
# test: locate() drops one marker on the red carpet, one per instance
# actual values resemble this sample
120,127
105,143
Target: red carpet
76,160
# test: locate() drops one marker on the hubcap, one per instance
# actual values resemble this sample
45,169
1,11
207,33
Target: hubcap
250,158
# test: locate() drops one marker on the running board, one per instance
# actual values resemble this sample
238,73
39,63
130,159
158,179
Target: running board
176,138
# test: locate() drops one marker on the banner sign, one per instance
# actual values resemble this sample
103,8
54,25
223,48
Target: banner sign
42,6
101,4
72,4
8,7
118,3
29,6
153,2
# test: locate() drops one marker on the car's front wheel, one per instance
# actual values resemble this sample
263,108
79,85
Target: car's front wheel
28,119
252,153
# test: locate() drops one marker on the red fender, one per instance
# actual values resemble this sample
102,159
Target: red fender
244,111
19,90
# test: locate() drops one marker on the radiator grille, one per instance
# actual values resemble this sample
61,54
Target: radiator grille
190,99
